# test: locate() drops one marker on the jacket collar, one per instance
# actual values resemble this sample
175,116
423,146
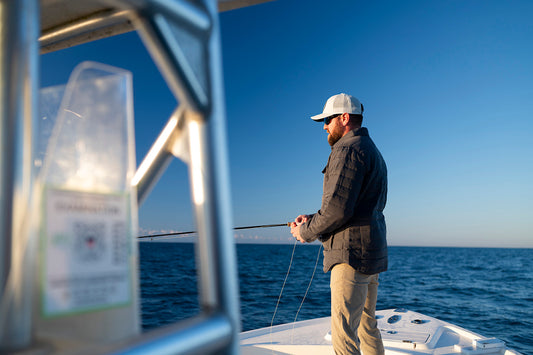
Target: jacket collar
361,131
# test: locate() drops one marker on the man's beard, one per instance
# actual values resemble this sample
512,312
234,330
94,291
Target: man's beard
333,137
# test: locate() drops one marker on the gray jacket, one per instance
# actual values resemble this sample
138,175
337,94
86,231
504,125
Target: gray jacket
350,222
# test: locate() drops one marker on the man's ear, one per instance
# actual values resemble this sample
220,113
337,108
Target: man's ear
345,118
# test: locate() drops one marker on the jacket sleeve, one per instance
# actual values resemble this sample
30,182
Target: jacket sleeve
343,179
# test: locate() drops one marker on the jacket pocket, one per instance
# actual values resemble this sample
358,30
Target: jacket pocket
341,240
373,242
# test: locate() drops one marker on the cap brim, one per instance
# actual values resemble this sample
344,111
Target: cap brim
320,118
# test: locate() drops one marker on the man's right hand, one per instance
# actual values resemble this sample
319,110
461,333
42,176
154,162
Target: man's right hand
301,219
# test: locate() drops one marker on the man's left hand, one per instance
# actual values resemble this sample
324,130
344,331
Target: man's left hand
295,231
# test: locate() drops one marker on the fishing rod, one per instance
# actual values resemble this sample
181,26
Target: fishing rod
288,224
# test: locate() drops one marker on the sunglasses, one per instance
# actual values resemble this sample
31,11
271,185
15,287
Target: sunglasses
327,120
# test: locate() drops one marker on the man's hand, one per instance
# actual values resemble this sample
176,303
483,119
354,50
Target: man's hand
301,219
295,227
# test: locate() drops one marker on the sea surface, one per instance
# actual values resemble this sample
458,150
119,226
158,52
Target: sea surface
488,291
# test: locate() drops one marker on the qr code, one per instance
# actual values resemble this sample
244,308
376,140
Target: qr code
89,243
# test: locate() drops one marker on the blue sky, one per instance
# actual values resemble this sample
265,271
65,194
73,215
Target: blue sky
448,93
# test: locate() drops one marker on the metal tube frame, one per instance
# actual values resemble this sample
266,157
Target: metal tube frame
218,326
86,29
159,156
205,120
188,15
158,38
200,335
19,29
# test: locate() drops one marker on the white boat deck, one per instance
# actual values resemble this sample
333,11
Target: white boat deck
403,332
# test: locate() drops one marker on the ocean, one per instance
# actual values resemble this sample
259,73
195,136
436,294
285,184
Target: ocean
488,291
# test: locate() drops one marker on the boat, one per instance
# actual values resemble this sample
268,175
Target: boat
402,331
34,27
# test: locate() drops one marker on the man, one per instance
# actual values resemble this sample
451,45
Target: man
351,226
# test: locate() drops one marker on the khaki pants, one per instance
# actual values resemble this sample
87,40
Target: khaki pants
353,310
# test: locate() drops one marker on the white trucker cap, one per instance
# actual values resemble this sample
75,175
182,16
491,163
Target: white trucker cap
339,104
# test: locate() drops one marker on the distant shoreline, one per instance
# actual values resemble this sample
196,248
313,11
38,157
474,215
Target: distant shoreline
181,241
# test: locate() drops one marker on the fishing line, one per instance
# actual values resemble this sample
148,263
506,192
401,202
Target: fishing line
282,287
306,291
288,224
183,234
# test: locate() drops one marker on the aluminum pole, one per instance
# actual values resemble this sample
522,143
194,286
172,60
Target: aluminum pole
216,244
19,56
